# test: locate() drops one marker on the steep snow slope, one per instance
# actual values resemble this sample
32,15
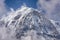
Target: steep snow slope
27,24
56,24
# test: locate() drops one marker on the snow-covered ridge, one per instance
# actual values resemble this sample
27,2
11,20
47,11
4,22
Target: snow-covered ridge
27,24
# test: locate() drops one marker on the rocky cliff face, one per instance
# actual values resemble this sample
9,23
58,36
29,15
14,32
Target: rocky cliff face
28,24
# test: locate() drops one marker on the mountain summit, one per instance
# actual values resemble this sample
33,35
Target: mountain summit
28,24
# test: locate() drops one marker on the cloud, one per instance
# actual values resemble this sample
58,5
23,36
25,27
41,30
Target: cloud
52,8
2,7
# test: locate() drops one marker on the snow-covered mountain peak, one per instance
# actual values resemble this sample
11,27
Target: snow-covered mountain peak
27,23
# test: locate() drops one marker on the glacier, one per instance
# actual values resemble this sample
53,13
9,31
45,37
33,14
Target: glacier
28,24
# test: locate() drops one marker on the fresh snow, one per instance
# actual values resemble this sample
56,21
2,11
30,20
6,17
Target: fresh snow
28,24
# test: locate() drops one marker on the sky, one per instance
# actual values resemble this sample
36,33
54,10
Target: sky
50,7
17,3
5,5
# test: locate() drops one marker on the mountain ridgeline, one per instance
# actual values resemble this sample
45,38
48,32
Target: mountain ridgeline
28,24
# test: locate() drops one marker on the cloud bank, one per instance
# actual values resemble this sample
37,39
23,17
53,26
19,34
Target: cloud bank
52,8
2,7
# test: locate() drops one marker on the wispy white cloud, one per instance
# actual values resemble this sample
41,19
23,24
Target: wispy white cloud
52,8
2,7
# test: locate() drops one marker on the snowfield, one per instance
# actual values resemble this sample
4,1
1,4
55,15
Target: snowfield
28,24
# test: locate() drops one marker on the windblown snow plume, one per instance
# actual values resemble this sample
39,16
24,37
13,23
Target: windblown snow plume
2,7
52,8
28,24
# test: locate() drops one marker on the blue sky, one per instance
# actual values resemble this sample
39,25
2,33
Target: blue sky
50,7
17,3
5,5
